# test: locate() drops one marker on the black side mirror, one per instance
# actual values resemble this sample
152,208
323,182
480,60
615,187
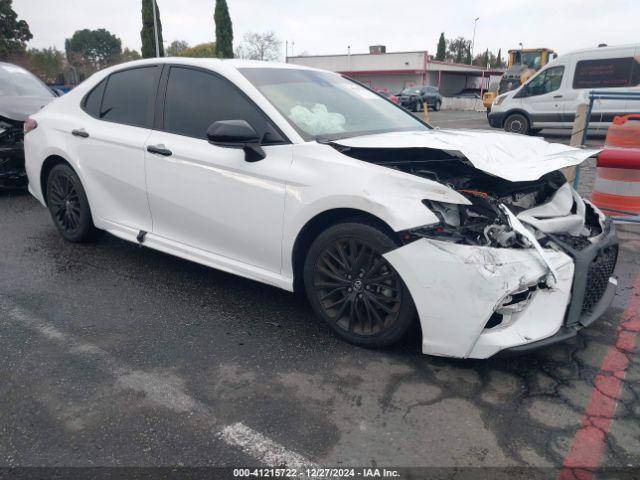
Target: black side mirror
236,134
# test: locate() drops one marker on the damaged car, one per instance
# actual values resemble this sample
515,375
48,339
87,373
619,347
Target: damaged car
305,180
21,94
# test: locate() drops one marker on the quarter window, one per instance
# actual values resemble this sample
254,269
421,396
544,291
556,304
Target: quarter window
129,97
604,73
545,82
92,101
196,99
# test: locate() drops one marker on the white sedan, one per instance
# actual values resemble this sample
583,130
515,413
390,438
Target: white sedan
304,179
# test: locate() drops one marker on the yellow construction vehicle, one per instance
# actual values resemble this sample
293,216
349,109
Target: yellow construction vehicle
522,64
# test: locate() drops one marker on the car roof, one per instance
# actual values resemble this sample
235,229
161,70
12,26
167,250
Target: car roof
211,63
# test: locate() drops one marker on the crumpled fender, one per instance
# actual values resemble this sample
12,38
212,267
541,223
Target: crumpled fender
322,179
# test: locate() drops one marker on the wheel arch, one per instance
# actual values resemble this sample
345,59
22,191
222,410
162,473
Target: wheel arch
48,164
320,222
513,111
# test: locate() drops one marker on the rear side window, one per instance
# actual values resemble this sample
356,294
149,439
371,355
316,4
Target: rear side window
129,97
604,73
195,99
92,101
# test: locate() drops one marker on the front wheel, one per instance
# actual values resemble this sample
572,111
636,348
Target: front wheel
68,205
517,123
352,287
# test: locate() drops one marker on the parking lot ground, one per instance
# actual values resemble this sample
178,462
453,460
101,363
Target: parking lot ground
117,355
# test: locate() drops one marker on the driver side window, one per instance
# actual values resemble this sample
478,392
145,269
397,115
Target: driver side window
546,82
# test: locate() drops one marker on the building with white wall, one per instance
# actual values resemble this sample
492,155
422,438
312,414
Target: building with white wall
394,71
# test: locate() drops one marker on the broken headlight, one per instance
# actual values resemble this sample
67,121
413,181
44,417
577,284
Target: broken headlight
481,223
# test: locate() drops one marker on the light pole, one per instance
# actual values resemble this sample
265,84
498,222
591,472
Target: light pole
473,41
155,28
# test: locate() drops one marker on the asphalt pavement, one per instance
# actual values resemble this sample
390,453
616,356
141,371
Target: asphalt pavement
117,355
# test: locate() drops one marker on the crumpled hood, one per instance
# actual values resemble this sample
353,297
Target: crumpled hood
19,108
510,156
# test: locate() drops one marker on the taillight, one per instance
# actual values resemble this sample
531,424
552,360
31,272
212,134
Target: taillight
29,125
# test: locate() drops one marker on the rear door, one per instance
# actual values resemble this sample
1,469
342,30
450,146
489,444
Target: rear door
110,141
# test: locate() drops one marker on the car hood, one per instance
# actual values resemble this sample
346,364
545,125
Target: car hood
19,108
510,156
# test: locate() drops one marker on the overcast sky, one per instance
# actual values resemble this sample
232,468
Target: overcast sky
329,26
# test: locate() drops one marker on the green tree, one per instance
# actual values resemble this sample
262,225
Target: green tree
47,63
460,50
441,54
224,30
203,50
92,50
14,33
147,34
176,48
499,63
485,58
129,55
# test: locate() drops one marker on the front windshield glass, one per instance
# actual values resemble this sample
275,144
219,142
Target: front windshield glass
323,105
17,82
531,59
410,91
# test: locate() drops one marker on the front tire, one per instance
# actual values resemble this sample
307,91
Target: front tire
352,287
68,205
517,123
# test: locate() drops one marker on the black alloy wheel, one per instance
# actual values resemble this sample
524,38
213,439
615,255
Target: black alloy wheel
355,289
68,204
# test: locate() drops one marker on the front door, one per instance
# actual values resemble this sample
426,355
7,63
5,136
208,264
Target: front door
210,197
543,97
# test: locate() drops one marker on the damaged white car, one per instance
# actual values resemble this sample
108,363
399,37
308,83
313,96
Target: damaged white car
301,178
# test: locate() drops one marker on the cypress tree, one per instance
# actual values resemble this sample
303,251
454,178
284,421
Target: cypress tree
499,59
147,34
224,30
442,48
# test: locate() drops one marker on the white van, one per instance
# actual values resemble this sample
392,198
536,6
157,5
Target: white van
550,98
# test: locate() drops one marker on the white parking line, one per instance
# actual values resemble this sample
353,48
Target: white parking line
261,447
165,392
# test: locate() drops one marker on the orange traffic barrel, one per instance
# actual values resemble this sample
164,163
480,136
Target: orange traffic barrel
624,132
617,187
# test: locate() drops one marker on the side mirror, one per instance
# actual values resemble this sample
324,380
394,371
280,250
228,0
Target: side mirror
236,134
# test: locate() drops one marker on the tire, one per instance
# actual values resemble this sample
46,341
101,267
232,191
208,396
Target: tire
354,289
68,205
436,106
517,123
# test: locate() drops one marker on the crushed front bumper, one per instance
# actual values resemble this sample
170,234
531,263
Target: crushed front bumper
458,289
12,173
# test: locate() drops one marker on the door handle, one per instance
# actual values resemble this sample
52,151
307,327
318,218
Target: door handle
159,150
557,96
80,132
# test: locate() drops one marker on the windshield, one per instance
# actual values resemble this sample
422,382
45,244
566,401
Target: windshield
17,82
530,59
323,105
410,91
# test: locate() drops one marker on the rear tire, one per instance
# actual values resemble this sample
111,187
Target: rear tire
68,205
436,106
517,123
354,289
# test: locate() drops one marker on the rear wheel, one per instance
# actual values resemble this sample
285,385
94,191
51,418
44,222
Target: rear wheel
352,287
436,106
68,205
517,123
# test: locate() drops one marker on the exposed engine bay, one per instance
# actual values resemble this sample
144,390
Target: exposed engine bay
485,221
